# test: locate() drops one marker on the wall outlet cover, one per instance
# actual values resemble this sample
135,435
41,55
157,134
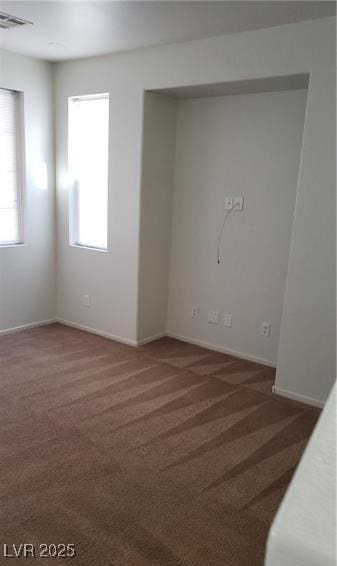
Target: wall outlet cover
86,300
227,320
265,329
238,203
228,203
195,311
213,317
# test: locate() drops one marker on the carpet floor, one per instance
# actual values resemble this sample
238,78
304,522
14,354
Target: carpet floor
163,455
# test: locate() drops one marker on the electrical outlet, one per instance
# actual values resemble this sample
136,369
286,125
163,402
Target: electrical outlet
227,320
238,203
265,329
195,311
86,300
213,317
228,204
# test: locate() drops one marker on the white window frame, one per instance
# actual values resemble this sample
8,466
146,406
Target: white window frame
20,170
73,206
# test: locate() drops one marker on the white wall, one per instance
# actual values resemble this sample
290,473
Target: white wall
307,341
27,273
304,529
159,141
307,350
111,278
245,145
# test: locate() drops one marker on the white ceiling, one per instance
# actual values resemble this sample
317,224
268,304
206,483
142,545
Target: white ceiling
66,30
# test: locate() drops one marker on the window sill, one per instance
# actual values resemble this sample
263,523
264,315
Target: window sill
6,246
80,247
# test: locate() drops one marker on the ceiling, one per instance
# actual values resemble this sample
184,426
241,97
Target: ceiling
72,29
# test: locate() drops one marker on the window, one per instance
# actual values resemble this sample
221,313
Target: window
10,175
88,141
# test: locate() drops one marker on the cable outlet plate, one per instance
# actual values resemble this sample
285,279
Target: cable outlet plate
238,203
234,203
228,204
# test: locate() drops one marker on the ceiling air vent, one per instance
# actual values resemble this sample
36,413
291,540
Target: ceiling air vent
7,21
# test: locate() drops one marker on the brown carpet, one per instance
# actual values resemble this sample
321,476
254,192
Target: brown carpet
164,455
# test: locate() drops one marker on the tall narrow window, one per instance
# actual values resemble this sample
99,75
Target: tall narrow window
88,141
10,165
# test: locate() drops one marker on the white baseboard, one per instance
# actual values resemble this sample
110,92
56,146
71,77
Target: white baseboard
298,397
120,339
92,330
27,326
151,339
142,341
221,349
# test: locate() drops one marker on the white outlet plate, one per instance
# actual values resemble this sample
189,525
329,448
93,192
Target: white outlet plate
228,204
86,300
238,203
227,320
213,317
234,203
195,311
265,329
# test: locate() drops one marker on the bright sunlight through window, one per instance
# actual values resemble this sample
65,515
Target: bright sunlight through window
88,169
10,169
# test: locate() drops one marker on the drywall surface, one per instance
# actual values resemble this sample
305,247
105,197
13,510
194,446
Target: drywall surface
307,341
159,141
27,273
110,278
246,145
304,529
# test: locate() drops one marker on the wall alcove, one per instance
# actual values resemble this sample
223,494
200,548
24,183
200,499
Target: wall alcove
202,144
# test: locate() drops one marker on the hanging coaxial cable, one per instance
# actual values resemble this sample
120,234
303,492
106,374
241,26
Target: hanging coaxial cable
221,234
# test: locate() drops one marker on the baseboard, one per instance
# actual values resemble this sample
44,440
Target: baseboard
298,397
92,330
151,339
27,326
120,339
221,349
142,341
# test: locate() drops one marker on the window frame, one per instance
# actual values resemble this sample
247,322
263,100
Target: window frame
21,168
73,211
